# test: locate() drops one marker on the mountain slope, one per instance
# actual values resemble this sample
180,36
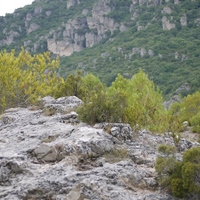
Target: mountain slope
107,37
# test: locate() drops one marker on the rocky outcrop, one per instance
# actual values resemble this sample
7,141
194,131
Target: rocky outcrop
166,10
183,20
83,32
57,157
147,2
38,10
197,21
141,51
71,3
9,37
32,27
166,24
184,89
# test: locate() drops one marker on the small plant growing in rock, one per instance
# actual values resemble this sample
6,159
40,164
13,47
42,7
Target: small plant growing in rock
39,105
116,155
50,138
108,128
167,150
49,111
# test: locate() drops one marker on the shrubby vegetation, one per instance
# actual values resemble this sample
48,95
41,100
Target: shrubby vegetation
135,101
188,110
181,177
25,78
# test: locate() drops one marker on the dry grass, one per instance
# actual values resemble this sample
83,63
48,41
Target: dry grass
116,155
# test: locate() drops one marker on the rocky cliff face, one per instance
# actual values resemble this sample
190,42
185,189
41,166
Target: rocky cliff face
82,30
50,154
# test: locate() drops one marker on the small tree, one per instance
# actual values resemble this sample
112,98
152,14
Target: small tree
72,86
25,78
145,104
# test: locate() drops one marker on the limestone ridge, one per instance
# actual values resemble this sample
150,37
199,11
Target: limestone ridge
55,156
83,32
33,30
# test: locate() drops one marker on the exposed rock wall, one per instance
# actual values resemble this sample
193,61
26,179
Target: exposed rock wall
83,32
89,28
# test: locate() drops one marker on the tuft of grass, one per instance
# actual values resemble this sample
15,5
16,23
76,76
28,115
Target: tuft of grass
39,105
49,111
116,155
50,138
108,128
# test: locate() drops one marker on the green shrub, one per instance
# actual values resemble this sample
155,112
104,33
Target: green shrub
195,123
134,101
166,149
25,78
182,177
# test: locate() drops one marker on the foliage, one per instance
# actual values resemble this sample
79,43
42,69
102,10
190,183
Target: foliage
187,110
134,101
166,71
195,123
100,107
78,85
71,86
145,104
166,149
182,177
25,78
190,106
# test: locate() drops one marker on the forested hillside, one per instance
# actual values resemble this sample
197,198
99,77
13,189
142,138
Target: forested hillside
107,37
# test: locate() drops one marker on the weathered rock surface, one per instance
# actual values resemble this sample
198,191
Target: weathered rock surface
56,157
166,24
83,32
85,29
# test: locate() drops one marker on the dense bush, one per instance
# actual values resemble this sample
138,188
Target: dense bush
25,78
134,101
188,110
181,177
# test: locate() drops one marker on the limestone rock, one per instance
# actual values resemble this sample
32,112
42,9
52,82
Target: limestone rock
176,2
48,13
79,33
32,27
166,10
150,53
85,12
183,20
38,10
176,54
71,3
10,37
166,24
184,87
47,157
197,21
143,52
29,16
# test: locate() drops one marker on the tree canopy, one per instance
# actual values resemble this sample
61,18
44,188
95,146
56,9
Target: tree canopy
25,78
